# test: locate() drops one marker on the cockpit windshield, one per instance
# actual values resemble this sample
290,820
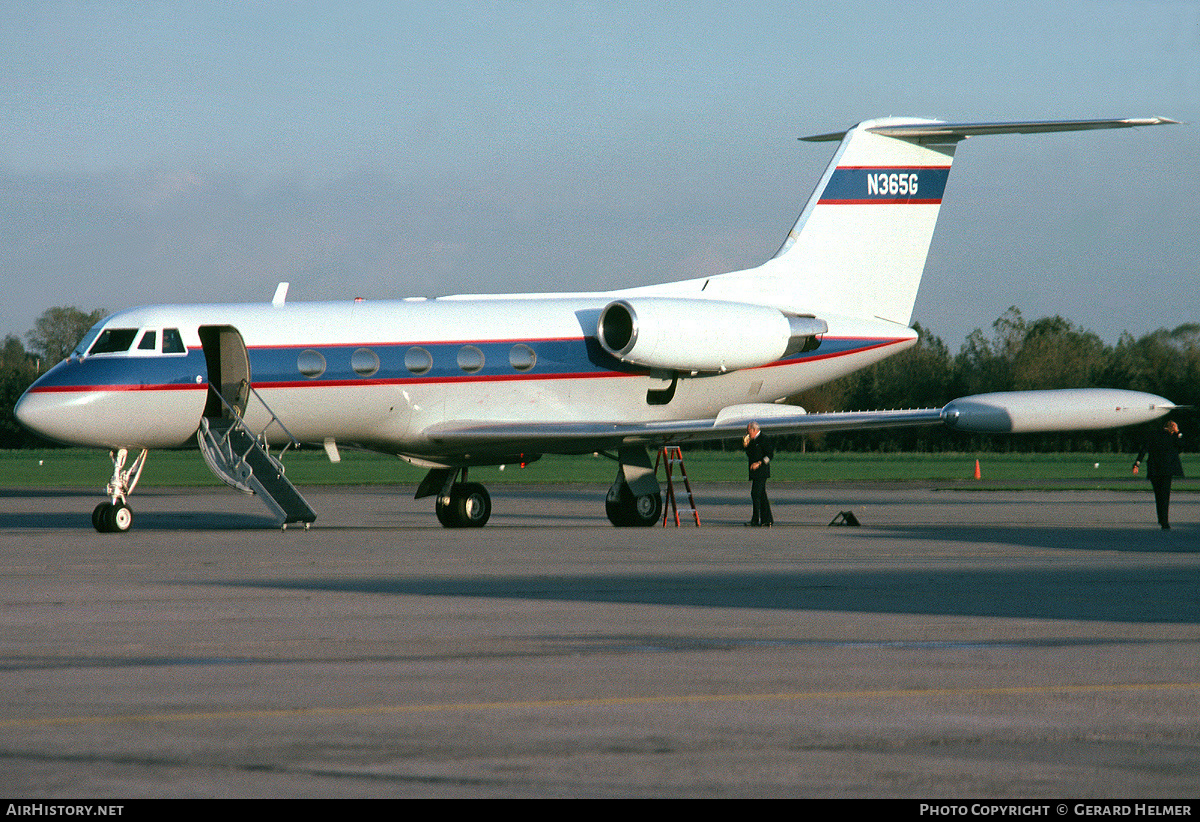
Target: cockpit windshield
101,340
114,340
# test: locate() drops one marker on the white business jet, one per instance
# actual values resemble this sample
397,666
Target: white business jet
462,381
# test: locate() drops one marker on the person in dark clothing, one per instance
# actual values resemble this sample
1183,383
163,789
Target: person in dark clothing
1163,464
759,452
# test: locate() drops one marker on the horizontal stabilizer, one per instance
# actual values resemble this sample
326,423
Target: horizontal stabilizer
961,131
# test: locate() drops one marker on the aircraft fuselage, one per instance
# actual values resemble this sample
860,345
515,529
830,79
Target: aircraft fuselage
380,374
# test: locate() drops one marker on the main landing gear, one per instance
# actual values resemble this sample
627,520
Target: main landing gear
117,516
464,505
626,509
634,500
458,504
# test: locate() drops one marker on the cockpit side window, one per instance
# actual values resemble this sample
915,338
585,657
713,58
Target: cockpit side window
173,342
149,341
114,340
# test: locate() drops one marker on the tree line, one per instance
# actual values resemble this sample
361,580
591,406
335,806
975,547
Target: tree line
1050,352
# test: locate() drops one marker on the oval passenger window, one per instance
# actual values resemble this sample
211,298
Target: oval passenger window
418,360
311,363
522,357
470,359
365,362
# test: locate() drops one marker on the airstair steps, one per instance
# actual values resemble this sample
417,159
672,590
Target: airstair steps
239,460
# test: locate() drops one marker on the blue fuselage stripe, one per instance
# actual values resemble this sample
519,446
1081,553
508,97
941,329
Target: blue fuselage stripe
127,372
279,366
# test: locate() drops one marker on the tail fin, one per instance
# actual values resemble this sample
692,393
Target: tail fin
861,241
860,244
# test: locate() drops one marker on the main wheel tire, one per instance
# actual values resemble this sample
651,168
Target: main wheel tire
627,511
472,504
468,506
614,506
444,508
646,510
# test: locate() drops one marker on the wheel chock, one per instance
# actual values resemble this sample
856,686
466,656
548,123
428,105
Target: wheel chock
845,518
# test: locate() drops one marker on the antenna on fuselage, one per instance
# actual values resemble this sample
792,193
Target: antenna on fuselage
280,294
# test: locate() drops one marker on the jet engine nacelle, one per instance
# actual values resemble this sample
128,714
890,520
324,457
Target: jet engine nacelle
703,335
1068,409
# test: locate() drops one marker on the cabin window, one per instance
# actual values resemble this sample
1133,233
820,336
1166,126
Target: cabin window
173,342
114,340
418,360
365,362
470,359
522,357
149,341
311,363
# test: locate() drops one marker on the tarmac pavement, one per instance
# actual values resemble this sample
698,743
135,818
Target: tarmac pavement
958,644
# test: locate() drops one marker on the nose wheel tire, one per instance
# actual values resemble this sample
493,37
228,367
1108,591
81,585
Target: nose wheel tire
110,518
98,515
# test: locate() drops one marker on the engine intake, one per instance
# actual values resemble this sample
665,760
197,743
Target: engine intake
703,335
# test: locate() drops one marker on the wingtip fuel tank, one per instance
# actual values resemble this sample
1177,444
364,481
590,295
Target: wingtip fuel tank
1068,409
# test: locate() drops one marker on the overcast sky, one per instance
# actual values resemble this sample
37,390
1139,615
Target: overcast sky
204,151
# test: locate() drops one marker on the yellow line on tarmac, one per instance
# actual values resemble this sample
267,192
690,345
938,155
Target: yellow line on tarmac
619,701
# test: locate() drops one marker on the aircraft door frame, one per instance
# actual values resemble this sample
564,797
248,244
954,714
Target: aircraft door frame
228,365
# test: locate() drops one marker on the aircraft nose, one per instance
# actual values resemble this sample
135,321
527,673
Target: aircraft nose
61,406
108,405
48,414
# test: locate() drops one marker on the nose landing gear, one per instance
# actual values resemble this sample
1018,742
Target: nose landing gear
116,516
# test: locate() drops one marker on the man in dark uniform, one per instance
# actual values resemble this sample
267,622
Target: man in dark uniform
759,452
1162,446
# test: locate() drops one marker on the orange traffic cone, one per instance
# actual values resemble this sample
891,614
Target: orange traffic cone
976,469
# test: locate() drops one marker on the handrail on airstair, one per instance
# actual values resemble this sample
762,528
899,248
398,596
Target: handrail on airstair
239,421
248,466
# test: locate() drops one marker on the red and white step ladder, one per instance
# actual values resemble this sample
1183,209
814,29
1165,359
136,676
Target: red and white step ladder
670,456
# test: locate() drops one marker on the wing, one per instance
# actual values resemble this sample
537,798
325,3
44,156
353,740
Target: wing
1004,412
581,437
